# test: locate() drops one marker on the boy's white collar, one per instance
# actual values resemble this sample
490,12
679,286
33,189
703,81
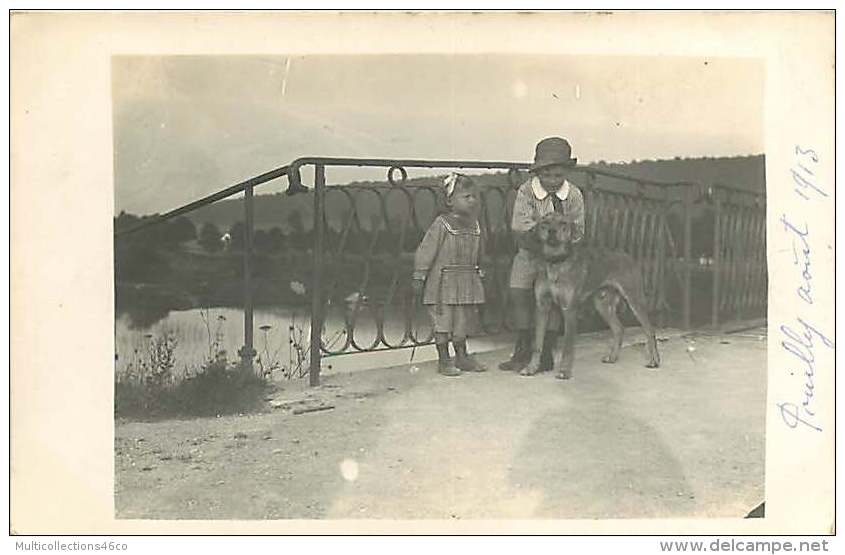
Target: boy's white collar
541,193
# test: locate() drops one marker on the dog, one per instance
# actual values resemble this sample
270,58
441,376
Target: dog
572,274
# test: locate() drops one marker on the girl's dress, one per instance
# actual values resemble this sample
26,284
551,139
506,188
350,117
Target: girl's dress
448,259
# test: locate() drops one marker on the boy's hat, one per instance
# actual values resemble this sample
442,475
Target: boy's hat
553,151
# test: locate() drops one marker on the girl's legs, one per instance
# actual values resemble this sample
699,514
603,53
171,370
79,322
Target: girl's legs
465,321
445,366
441,319
463,360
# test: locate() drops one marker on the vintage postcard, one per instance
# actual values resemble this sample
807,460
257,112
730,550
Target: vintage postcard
316,272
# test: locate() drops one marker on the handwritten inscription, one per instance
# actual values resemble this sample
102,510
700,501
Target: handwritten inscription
801,339
800,257
801,344
802,176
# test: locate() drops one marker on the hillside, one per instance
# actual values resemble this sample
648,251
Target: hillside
747,172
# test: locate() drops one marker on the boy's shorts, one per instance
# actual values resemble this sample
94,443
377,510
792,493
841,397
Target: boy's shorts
524,270
523,275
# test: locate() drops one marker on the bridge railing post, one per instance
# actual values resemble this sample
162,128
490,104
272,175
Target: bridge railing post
687,267
317,304
717,259
247,352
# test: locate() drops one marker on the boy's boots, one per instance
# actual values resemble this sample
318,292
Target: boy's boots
464,361
445,365
521,353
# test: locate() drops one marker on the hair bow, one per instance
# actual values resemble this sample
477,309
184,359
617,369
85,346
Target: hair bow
450,182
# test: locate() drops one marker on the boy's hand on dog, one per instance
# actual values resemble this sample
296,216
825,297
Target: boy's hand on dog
529,241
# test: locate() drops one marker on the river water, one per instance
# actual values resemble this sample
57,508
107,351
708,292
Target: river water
199,333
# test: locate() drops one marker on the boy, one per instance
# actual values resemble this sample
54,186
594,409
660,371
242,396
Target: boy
549,189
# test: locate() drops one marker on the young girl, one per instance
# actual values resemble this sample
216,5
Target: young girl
446,268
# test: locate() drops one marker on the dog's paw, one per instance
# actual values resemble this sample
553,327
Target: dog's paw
563,375
530,370
609,359
652,365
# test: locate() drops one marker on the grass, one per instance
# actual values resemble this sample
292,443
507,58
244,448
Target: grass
153,385
220,388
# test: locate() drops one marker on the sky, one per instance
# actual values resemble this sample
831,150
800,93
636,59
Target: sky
188,126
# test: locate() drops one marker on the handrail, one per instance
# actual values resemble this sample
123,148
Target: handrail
293,167
398,162
419,163
718,193
210,199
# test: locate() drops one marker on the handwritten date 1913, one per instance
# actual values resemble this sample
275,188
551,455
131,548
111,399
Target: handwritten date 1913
802,339
803,177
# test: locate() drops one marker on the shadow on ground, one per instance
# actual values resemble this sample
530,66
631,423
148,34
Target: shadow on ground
595,458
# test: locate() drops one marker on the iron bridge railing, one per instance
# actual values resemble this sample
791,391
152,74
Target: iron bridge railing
645,218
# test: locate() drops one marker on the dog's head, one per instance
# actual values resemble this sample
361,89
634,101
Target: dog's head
554,233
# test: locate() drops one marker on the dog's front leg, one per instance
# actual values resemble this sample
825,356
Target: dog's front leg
567,356
541,319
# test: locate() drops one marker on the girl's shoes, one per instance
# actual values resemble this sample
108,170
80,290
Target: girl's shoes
469,364
447,368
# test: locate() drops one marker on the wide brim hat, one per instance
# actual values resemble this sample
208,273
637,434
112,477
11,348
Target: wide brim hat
552,151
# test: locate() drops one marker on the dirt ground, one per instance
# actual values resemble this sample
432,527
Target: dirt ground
617,441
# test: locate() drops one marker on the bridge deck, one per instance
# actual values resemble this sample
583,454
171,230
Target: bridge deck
617,441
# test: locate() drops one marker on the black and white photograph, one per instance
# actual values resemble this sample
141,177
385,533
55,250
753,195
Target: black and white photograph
529,278
466,284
